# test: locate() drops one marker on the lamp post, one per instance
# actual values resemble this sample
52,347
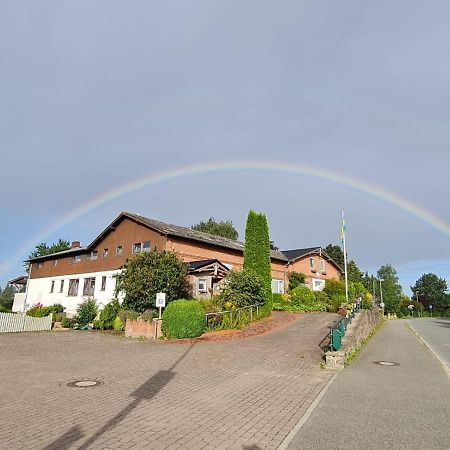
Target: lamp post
381,295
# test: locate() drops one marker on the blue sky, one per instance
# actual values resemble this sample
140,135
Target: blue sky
96,95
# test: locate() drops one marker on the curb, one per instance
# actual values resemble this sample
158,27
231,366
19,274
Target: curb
428,346
290,437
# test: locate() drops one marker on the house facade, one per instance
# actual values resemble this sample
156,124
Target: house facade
73,275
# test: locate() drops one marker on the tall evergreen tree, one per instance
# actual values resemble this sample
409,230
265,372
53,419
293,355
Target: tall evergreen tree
257,251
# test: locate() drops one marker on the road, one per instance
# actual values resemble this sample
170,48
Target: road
436,334
373,406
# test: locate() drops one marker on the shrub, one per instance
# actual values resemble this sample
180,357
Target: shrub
243,289
148,315
336,301
43,311
67,323
296,279
128,314
183,319
333,287
58,317
4,309
303,299
86,312
108,314
118,325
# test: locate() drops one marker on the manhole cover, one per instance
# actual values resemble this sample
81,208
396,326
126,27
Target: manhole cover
84,383
386,363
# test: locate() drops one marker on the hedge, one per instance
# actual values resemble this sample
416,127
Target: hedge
183,319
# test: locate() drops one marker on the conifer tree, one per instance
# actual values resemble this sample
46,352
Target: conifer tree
257,251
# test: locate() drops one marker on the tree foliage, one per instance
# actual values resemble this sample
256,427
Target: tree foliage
43,249
391,288
7,297
243,288
147,274
257,251
222,228
296,279
337,255
431,290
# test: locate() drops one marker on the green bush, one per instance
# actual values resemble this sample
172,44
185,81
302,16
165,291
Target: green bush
148,315
303,299
67,322
118,325
334,287
296,279
128,314
4,309
86,312
44,311
243,288
183,319
108,314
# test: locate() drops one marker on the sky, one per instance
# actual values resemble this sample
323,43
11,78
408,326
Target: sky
96,95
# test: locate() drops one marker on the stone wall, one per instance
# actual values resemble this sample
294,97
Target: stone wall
143,329
358,330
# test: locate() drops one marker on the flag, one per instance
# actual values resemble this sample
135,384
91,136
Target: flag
343,228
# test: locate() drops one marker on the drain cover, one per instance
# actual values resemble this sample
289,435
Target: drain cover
84,383
386,363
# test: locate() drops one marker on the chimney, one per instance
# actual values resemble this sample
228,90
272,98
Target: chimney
75,244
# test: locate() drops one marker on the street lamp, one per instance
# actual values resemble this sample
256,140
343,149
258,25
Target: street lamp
381,295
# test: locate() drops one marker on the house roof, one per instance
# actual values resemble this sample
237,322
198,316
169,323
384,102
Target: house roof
63,253
181,232
293,255
19,280
196,265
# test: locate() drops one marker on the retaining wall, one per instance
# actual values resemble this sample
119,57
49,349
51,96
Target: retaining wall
362,325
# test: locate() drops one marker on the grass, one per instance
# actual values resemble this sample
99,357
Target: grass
353,356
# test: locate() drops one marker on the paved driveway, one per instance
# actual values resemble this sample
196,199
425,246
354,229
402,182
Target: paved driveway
245,394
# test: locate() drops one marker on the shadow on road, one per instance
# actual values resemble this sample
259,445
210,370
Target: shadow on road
66,440
146,391
442,323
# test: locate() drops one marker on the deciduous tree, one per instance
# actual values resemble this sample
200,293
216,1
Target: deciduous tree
222,228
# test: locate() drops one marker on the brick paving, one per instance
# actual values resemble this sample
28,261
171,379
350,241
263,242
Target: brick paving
223,394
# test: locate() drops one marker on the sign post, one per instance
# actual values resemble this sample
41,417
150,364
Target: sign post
160,301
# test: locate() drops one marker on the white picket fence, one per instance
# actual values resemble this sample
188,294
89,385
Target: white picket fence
14,323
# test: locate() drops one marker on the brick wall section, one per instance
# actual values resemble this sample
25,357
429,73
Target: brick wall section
361,326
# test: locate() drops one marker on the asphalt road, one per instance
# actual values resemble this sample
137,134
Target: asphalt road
436,334
372,406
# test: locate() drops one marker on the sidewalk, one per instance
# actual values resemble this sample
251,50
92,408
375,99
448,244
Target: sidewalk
372,406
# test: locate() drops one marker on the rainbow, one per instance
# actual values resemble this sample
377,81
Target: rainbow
225,167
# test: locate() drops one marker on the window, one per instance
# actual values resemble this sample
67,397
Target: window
322,265
202,285
76,259
89,287
103,284
318,285
39,265
52,286
105,253
119,250
146,246
277,287
61,286
73,287
137,248
93,255
311,263
55,262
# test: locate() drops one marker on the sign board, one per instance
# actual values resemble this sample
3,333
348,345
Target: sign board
161,300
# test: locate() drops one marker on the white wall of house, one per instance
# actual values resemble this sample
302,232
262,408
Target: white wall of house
39,290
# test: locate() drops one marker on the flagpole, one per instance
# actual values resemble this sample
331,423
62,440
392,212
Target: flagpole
345,255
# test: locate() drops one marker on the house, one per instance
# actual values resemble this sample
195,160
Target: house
70,276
